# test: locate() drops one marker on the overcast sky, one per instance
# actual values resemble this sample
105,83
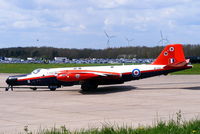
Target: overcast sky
81,23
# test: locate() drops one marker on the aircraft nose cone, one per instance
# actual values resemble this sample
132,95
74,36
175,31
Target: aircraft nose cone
11,81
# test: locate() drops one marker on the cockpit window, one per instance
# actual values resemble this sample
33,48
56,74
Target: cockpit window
36,71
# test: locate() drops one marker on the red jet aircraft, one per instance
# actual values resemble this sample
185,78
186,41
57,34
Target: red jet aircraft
171,59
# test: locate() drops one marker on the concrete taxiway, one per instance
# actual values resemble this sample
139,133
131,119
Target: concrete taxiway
137,102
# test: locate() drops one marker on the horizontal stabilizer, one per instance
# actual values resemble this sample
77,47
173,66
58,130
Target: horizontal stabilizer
178,65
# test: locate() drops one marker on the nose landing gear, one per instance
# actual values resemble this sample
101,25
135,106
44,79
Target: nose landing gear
9,87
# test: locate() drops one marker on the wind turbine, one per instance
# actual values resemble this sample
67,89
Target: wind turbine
37,42
163,40
109,38
128,40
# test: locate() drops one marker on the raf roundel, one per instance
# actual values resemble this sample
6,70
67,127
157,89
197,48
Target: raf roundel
165,53
171,49
136,73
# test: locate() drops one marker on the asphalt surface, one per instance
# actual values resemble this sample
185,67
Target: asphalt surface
141,102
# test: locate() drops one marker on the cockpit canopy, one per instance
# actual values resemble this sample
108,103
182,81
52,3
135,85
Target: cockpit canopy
37,71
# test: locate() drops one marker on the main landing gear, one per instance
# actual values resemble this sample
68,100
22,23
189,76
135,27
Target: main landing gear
89,86
52,88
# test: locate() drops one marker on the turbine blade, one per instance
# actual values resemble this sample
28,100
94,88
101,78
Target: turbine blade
161,34
112,36
106,34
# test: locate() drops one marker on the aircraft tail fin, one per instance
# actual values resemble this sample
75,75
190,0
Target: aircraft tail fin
172,55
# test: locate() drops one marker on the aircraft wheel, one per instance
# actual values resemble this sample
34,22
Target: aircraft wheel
6,89
88,86
52,88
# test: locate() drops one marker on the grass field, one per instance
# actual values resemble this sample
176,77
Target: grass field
194,70
27,68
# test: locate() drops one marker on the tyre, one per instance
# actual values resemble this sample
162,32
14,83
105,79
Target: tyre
88,86
52,88
6,89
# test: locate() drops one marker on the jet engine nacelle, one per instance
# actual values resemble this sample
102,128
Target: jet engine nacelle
75,76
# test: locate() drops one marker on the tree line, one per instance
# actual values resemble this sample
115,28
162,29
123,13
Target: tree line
120,52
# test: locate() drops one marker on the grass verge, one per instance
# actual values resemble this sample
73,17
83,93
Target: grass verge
171,127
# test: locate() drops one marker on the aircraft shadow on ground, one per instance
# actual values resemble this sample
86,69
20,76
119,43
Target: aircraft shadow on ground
46,90
100,90
192,88
108,90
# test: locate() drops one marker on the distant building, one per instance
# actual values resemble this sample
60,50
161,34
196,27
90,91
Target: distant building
2,58
60,59
12,59
30,59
